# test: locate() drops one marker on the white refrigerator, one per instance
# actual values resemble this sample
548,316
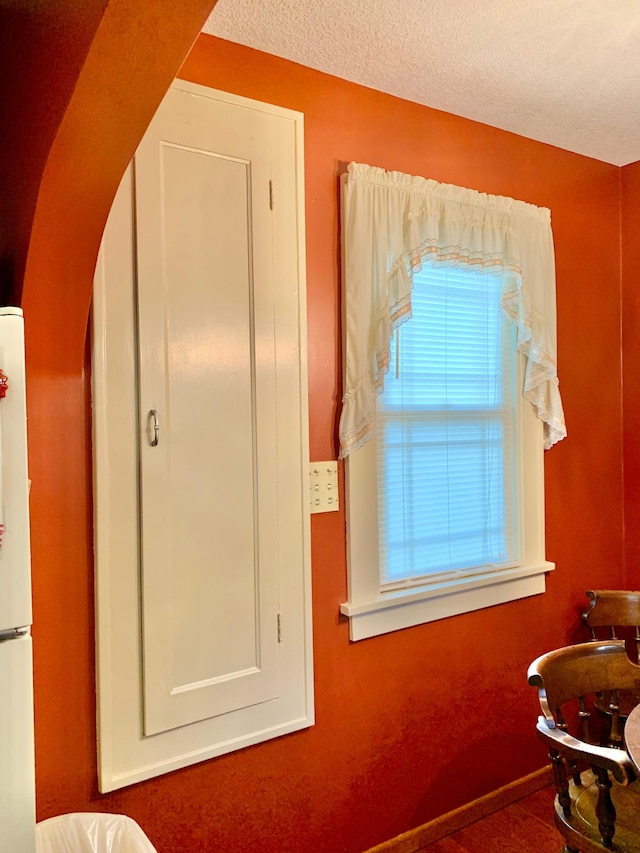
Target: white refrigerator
17,774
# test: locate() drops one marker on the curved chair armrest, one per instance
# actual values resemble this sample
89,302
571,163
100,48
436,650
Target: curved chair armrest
615,761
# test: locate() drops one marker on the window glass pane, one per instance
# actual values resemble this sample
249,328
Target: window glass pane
446,456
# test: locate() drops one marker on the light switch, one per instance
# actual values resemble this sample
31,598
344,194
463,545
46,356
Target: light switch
323,486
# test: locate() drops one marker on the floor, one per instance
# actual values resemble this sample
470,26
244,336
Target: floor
524,827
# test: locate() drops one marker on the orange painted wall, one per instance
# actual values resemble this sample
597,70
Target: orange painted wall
630,206
408,725
400,715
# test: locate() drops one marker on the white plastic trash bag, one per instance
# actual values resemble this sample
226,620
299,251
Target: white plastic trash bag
91,832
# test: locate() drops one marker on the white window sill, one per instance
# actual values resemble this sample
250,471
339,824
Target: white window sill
391,611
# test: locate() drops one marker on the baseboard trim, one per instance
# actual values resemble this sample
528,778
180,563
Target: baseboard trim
415,839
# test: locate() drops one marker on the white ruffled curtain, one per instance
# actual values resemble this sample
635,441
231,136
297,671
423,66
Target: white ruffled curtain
393,224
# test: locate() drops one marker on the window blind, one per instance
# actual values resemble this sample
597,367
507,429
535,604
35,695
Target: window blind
446,426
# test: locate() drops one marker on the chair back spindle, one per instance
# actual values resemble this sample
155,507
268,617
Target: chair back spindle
615,613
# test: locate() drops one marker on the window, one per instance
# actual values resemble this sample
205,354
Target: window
445,450
450,398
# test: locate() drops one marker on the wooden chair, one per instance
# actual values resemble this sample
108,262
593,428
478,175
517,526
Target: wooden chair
596,807
610,612
612,609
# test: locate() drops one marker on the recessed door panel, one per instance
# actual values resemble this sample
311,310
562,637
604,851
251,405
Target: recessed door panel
207,420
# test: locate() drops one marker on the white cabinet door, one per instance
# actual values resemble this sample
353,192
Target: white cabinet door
208,412
203,613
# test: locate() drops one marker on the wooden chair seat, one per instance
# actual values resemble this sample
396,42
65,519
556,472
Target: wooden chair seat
580,829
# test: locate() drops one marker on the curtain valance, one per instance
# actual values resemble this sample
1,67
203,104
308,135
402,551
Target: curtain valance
395,223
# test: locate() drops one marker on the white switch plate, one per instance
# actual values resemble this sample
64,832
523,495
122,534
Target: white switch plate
323,486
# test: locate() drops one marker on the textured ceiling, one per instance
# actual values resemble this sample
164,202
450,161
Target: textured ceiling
566,72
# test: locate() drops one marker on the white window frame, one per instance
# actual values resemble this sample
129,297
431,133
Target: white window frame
372,612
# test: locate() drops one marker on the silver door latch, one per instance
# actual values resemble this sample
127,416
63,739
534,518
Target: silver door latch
153,424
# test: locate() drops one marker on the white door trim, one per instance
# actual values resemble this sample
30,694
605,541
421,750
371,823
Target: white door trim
125,754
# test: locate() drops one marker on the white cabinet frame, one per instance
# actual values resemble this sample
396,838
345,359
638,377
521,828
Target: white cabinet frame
125,754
